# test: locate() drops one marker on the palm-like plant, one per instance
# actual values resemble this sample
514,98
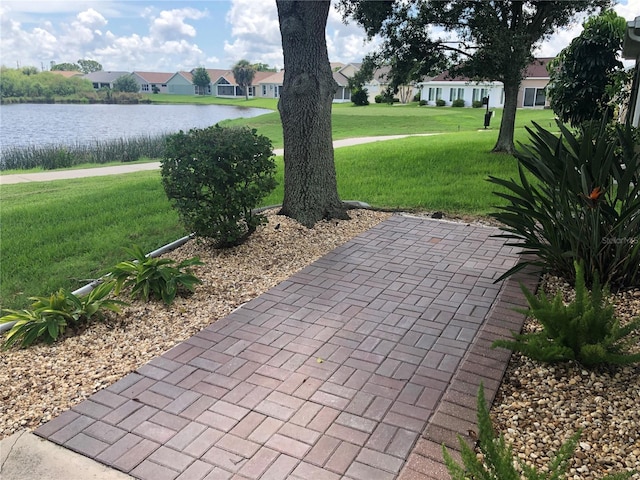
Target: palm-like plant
244,73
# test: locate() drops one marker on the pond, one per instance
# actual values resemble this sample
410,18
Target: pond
22,125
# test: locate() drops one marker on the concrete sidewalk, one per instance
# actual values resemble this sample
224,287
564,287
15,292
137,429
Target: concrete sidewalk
358,367
129,168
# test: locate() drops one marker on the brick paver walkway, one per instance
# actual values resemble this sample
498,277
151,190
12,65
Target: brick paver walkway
360,366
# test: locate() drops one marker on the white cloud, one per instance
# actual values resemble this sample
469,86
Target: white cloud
167,44
562,38
171,25
256,35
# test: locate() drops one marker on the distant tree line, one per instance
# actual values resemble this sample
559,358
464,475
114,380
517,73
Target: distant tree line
27,84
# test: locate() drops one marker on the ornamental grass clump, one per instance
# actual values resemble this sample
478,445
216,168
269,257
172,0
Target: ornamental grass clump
577,199
215,178
585,330
497,460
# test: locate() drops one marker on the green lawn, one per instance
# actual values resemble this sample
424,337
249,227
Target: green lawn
63,233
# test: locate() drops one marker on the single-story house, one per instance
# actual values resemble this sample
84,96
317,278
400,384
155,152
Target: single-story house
343,92
181,83
271,86
224,84
531,94
103,79
631,51
152,82
380,82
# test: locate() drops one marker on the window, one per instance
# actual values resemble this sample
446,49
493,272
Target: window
456,93
435,94
534,97
264,90
145,87
226,90
479,94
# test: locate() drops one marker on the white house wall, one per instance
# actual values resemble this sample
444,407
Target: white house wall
494,91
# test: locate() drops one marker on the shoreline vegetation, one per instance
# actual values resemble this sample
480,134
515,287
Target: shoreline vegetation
348,121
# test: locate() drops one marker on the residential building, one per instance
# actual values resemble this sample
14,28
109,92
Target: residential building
103,79
181,83
531,94
271,86
152,82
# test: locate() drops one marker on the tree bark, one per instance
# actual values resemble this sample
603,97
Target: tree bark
507,125
310,186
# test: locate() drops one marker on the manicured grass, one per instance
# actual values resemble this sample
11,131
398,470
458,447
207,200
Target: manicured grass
63,233
349,121
268,103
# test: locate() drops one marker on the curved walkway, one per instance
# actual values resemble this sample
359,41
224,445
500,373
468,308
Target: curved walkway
358,367
129,168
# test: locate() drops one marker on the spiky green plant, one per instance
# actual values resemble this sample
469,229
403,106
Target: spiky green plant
582,204
498,461
585,330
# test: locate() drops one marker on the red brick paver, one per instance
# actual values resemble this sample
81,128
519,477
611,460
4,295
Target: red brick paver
360,366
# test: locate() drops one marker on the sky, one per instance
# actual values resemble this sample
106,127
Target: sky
173,35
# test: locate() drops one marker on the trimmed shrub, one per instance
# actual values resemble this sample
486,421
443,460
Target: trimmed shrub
458,102
585,330
215,177
378,99
440,103
423,103
360,97
582,205
476,104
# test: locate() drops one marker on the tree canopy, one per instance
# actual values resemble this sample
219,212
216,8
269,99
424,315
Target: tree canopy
89,66
584,74
244,74
201,79
489,40
126,83
66,67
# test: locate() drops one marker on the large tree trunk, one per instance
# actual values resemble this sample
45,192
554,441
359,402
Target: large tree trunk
507,125
310,187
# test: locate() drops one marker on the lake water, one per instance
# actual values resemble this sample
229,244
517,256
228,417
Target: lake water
41,124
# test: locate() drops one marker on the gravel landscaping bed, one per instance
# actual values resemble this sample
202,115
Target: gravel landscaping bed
538,406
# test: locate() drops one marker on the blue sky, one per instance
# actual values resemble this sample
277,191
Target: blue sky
171,35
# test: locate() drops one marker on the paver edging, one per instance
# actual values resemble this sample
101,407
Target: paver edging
457,407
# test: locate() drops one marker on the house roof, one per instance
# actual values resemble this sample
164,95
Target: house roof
536,69
104,77
154,77
230,77
277,77
216,73
341,79
67,73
